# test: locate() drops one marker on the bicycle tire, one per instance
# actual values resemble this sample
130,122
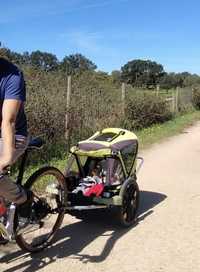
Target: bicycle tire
42,172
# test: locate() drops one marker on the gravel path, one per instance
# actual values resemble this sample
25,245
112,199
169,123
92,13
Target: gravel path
166,237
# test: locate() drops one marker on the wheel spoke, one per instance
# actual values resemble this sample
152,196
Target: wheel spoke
47,209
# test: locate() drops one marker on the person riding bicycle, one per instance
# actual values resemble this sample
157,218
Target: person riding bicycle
13,133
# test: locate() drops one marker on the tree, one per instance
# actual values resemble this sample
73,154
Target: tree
26,58
173,80
43,60
116,76
168,81
12,56
76,63
5,52
142,72
192,80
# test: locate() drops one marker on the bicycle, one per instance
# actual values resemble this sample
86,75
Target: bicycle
47,210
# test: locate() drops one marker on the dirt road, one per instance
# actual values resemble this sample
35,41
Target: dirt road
166,237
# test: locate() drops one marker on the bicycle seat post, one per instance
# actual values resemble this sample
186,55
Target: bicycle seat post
10,221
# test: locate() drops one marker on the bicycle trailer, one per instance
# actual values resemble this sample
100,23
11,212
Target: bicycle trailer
101,173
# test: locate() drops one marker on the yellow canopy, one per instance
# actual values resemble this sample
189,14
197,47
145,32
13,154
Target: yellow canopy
105,142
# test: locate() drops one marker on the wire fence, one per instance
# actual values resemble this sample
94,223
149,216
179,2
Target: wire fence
93,107
60,109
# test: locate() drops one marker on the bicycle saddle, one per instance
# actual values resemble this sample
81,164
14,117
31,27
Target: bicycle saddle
35,143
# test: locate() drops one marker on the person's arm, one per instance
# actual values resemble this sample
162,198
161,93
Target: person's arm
14,95
9,113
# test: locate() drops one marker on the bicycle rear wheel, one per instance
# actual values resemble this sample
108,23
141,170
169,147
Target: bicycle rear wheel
48,209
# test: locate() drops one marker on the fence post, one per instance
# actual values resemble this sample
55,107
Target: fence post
177,96
69,87
157,89
173,101
123,98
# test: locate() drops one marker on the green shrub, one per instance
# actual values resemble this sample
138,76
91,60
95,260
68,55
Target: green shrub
94,105
196,97
145,109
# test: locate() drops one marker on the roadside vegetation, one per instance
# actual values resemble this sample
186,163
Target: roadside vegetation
155,104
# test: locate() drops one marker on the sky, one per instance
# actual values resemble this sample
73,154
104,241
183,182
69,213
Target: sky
108,32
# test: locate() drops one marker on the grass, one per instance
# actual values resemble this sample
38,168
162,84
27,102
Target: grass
58,163
159,132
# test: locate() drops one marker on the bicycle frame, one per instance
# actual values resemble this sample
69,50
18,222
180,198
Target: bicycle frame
8,230
21,168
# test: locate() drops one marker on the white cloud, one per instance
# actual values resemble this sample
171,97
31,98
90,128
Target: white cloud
24,9
84,40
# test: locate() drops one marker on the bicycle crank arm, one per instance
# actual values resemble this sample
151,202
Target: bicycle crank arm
58,210
30,228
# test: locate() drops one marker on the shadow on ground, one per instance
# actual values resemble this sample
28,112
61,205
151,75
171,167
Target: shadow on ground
74,237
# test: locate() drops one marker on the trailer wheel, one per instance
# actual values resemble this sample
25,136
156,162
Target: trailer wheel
127,213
